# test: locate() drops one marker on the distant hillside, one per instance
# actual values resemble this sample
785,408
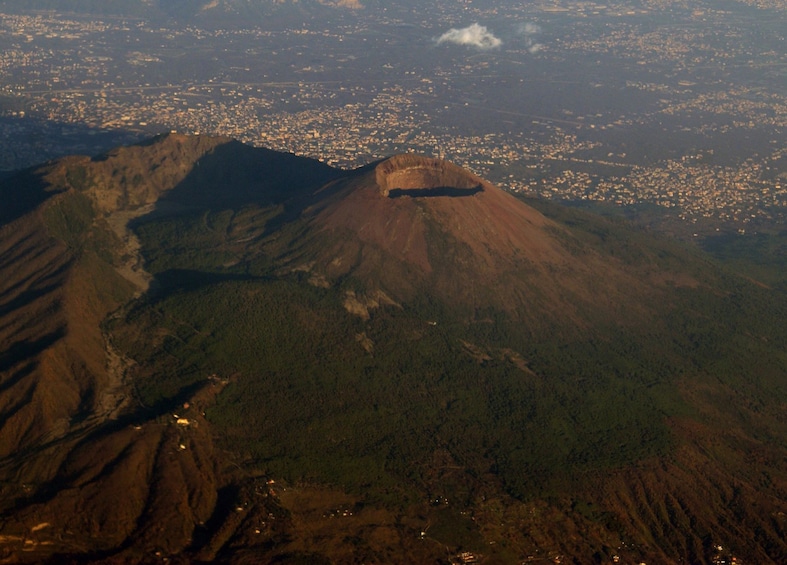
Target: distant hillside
213,352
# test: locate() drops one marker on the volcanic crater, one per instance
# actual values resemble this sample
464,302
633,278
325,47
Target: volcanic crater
417,176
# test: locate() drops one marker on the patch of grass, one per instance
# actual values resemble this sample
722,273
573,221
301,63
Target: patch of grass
69,217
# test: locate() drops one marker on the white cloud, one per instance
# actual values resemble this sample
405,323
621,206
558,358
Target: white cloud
474,35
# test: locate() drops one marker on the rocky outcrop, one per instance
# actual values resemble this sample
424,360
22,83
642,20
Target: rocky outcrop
414,175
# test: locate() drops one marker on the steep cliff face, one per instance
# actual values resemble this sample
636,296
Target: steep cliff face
412,175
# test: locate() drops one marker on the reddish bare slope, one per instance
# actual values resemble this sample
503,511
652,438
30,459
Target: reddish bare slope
413,225
33,276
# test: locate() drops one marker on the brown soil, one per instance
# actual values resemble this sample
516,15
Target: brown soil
436,244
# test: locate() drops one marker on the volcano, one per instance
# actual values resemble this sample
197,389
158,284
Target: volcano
219,353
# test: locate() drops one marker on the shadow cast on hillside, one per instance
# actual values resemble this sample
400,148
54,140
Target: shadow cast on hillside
234,175
21,194
24,350
449,191
29,296
189,280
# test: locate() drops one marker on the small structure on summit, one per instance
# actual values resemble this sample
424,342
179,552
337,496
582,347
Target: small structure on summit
417,176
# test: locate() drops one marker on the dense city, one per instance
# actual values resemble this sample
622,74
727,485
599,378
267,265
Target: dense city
663,104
